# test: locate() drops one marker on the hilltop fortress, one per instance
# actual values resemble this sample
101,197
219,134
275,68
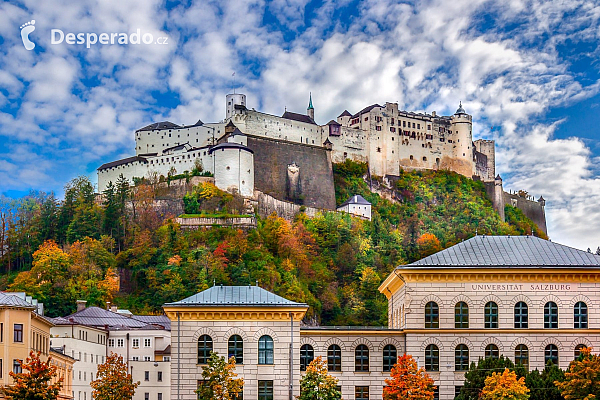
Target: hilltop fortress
290,157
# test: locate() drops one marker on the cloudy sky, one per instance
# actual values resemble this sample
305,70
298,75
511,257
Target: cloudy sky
528,72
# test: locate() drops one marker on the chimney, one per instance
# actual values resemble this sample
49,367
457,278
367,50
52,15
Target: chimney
113,308
81,305
108,305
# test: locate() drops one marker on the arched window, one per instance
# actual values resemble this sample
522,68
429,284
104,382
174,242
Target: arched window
361,358
551,315
390,357
205,347
432,358
491,351
334,358
432,315
521,315
461,315
491,315
578,349
461,358
307,354
551,354
235,348
265,350
580,315
522,356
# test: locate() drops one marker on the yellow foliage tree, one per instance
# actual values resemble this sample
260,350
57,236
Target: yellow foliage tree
582,379
504,386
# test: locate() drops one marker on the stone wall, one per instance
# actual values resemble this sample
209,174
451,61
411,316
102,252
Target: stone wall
196,223
532,209
271,161
267,205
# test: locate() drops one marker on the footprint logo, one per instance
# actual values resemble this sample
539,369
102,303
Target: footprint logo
26,29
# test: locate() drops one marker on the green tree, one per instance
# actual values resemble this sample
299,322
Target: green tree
317,384
220,382
34,384
541,384
582,378
113,382
477,373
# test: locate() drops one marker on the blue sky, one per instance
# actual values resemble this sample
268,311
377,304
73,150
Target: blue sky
528,71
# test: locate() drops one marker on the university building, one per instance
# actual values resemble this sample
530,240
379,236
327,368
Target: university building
526,298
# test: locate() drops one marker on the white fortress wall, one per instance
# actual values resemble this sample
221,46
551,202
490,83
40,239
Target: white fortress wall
157,140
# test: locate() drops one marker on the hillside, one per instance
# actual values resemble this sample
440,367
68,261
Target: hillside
75,249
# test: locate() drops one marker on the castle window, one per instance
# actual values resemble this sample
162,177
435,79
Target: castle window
205,347
461,358
550,315
390,357
392,121
432,315
580,315
413,125
491,315
392,129
307,355
411,157
432,358
361,358
551,354
491,351
378,128
235,348
418,126
265,350
334,358
428,127
522,356
379,149
461,315
521,315
424,158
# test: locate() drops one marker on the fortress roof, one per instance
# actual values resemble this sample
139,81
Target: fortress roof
227,145
516,251
298,117
366,110
122,162
160,125
332,122
236,296
346,113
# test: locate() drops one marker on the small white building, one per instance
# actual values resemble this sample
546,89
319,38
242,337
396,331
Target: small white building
357,205
234,165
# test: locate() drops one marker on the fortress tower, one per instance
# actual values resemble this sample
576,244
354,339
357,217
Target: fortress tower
233,100
462,137
310,111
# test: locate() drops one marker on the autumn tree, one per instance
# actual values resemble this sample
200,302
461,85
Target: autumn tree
582,379
428,244
504,386
408,382
219,379
113,382
35,384
317,384
476,375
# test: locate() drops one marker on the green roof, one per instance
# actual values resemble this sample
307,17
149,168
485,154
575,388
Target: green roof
236,296
310,106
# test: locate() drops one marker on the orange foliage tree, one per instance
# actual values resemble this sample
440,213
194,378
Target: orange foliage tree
112,380
408,382
428,244
504,386
582,379
34,384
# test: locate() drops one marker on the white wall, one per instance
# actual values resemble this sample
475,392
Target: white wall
234,170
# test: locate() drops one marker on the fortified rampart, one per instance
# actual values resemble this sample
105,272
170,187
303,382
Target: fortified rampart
532,209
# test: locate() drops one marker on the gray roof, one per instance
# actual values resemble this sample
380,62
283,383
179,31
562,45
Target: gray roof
518,251
14,301
356,199
236,296
160,125
227,145
298,117
122,162
99,317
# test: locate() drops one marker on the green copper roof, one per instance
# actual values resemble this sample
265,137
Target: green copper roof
236,296
310,106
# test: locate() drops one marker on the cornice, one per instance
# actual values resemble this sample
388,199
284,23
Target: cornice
495,332
234,313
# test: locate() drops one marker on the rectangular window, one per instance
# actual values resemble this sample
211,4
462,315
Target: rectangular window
361,392
265,390
18,336
135,358
147,395
146,376
147,342
166,358
159,396
135,343
146,358
111,342
17,369
1,331
1,369
159,378
120,342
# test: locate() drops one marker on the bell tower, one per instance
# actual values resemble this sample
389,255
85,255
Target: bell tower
310,111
